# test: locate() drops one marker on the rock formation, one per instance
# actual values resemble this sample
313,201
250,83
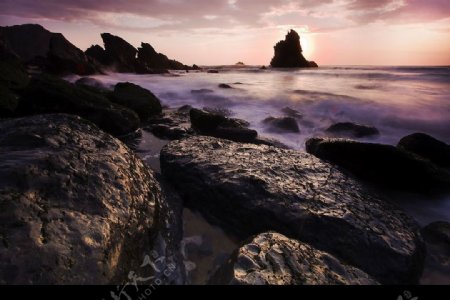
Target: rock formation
48,94
77,206
382,164
271,258
35,45
248,189
123,57
288,53
427,147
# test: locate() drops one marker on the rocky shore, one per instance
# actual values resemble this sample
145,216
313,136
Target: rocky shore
80,206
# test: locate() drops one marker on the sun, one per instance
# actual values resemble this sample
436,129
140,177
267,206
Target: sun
307,42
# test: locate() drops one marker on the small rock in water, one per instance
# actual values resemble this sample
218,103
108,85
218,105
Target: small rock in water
352,129
225,86
282,124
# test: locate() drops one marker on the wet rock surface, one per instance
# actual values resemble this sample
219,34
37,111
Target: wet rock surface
437,267
248,189
272,258
381,164
172,124
348,129
78,207
427,147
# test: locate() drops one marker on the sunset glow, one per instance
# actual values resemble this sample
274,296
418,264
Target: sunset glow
385,32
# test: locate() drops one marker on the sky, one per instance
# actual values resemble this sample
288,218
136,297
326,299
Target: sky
213,32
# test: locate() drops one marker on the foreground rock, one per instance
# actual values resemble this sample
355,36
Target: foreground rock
348,129
46,94
288,53
249,188
427,147
35,45
272,258
282,124
136,98
381,164
77,205
437,268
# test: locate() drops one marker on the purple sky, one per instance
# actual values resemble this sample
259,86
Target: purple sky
371,32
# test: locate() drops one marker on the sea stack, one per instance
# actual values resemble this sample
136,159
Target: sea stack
288,53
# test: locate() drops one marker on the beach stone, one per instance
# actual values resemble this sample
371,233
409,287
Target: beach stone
427,147
247,189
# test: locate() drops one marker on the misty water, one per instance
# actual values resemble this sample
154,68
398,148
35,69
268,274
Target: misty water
396,100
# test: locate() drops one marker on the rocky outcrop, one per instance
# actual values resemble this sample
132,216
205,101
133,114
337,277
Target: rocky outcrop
381,164
288,53
248,189
427,147
225,86
47,94
77,207
282,124
136,98
35,45
437,267
154,60
217,125
271,258
348,129
119,53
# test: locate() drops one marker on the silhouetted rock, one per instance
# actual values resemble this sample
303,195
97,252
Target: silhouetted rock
288,53
349,129
99,54
282,124
119,53
382,164
263,68
47,94
78,206
225,86
248,189
136,98
213,71
35,45
195,67
154,60
271,258
427,147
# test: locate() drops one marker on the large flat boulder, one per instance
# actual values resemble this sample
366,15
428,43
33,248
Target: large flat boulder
77,206
272,258
248,189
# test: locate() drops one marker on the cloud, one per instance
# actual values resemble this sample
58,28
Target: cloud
170,15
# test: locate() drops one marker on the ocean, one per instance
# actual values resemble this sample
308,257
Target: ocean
396,100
